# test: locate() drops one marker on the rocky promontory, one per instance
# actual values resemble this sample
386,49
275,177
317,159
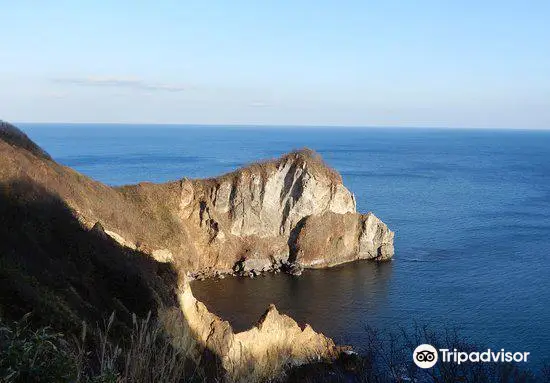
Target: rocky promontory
252,220
284,214
74,249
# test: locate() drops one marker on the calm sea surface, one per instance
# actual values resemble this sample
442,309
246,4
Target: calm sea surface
470,209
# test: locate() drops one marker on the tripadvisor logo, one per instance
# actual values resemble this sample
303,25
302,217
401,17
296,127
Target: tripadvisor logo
426,356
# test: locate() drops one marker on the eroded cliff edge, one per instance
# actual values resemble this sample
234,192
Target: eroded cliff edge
272,344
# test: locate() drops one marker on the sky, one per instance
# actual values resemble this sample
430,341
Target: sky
423,63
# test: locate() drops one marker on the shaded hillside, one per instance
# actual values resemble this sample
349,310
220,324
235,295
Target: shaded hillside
17,138
50,265
90,201
64,273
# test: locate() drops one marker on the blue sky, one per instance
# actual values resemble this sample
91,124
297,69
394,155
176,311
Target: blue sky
291,62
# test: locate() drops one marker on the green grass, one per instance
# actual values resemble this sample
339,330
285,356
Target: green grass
44,355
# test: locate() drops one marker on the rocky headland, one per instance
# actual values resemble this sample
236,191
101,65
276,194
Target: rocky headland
286,214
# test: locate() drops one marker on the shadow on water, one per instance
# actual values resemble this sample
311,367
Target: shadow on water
334,301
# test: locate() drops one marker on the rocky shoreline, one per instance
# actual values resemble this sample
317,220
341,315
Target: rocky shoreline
249,269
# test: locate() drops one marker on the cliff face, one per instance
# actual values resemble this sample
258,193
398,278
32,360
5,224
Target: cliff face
351,236
289,213
255,354
269,199
250,215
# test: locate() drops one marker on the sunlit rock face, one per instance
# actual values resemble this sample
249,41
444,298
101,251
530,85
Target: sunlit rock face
271,198
247,216
330,239
250,220
261,352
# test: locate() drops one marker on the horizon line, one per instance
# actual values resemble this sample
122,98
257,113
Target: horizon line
283,126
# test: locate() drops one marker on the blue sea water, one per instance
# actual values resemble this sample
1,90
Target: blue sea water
470,209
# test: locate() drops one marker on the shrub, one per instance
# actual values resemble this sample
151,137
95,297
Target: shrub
41,355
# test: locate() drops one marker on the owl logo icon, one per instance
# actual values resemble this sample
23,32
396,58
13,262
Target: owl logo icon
425,356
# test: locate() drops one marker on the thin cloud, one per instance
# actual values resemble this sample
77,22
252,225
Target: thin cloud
259,104
120,83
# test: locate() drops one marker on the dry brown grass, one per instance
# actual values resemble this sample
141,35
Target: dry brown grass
300,157
17,138
147,356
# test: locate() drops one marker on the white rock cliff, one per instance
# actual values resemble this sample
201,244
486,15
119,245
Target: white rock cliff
254,217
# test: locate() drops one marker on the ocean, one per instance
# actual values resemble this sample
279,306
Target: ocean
470,210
